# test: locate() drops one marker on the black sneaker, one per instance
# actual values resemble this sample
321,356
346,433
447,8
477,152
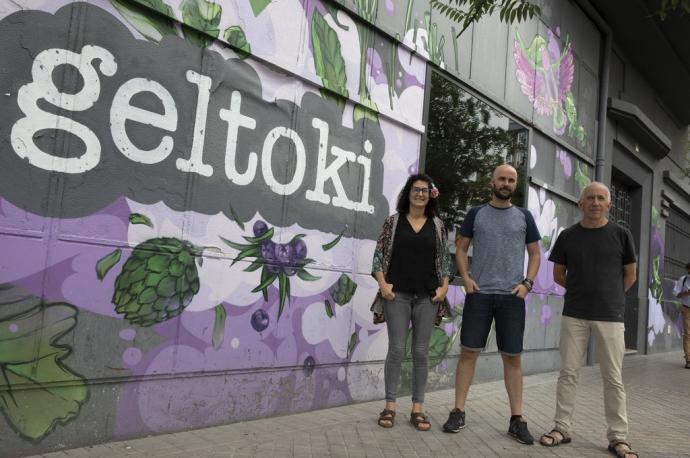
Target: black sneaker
518,429
456,421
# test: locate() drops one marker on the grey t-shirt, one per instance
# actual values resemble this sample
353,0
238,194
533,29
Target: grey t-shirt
499,236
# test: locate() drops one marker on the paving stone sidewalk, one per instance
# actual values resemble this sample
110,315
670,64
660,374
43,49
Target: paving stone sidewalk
658,389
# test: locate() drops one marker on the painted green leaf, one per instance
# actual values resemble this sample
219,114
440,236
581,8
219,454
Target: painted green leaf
218,326
329,309
30,358
236,217
138,218
231,244
267,279
256,265
352,344
343,290
438,346
328,59
581,176
152,26
250,252
546,242
283,292
265,236
201,18
333,242
306,276
107,262
235,36
258,6
361,112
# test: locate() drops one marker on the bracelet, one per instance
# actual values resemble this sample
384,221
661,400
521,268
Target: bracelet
528,283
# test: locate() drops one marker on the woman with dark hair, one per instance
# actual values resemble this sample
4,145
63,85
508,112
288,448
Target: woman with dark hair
412,270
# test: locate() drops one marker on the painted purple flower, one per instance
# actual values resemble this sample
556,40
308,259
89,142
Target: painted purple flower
283,253
566,162
260,228
375,64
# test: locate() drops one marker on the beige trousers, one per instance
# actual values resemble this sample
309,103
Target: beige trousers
610,347
686,332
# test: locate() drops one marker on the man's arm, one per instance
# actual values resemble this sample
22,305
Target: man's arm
462,246
533,259
559,274
629,275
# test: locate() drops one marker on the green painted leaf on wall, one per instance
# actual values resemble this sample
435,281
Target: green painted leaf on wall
107,262
258,6
138,218
153,26
328,59
219,326
202,18
37,390
236,37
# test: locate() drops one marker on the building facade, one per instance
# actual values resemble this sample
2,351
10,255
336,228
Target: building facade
191,192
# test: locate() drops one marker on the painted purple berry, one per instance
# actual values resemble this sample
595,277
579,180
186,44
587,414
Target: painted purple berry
284,254
308,367
260,228
268,250
259,320
299,248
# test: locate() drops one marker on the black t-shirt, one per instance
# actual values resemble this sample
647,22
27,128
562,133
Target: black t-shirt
594,260
413,265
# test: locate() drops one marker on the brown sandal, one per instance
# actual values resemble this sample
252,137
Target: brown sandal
387,415
418,419
620,453
555,441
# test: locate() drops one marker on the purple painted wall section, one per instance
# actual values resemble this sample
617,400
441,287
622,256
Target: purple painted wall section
187,223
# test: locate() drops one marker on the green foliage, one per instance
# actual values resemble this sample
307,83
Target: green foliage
328,59
352,344
201,19
37,390
343,290
138,218
466,12
107,262
152,25
218,326
157,282
333,242
258,6
668,6
235,36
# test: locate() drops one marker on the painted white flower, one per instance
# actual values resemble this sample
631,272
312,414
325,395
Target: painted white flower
657,321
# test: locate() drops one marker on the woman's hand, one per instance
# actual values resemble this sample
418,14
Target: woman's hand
441,292
386,291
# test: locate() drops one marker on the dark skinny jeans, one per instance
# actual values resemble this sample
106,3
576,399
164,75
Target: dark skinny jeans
399,312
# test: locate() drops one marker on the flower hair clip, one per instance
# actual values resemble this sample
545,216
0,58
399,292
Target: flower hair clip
434,192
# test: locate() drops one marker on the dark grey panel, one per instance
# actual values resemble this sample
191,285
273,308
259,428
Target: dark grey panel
582,33
489,47
558,167
515,95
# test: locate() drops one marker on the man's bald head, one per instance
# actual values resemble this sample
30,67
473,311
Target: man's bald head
504,169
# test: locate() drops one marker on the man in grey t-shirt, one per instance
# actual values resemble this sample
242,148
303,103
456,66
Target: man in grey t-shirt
495,291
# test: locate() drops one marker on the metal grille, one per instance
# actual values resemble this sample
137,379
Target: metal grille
620,204
677,244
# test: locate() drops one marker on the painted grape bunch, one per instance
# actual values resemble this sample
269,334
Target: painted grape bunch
277,261
158,281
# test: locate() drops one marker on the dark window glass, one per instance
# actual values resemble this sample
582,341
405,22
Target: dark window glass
677,244
466,139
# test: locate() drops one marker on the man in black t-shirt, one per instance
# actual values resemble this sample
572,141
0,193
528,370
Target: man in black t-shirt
594,260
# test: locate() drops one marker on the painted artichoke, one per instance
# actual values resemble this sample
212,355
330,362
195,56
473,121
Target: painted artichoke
343,290
157,282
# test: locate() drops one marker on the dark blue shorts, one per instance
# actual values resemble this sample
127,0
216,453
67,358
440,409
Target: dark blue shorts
481,309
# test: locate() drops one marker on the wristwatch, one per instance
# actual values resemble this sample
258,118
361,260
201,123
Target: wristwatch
528,283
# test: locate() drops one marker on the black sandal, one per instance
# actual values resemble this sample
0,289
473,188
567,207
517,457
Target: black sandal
621,454
387,415
565,439
419,418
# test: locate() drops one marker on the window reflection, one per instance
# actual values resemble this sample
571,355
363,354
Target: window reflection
466,140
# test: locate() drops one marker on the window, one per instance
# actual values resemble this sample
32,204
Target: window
677,245
466,139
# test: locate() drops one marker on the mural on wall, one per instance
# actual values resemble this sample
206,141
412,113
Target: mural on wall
664,316
545,72
202,212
